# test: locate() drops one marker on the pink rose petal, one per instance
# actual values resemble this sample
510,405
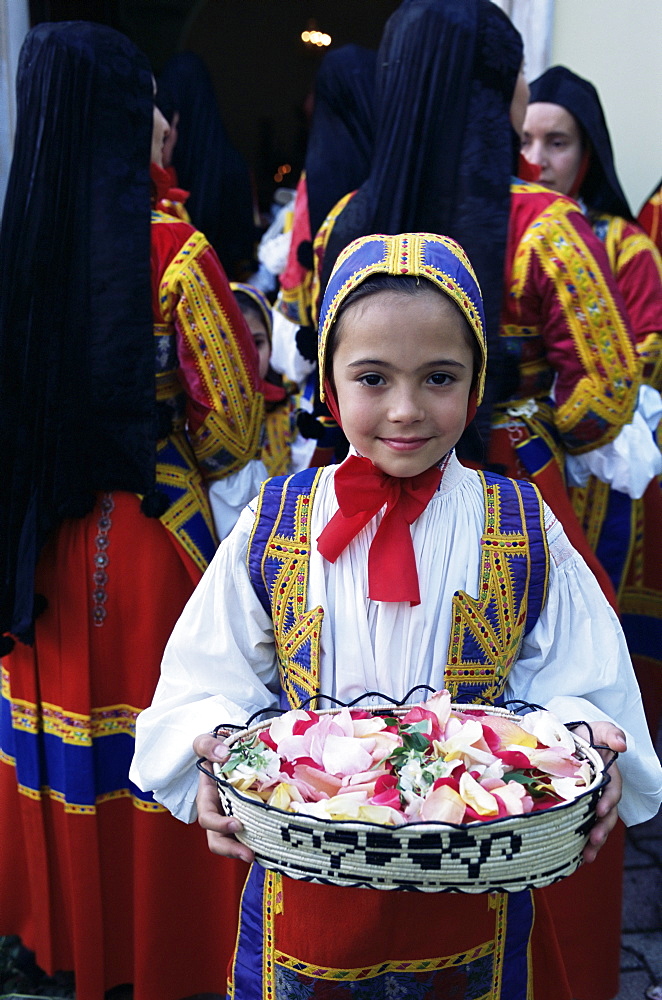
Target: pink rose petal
345,755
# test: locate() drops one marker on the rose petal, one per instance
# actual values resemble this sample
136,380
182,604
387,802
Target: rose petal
388,797
508,731
284,795
514,758
301,725
548,729
512,795
443,805
420,714
283,724
293,747
367,727
319,781
384,781
440,705
555,761
345,755
468,733
480,800
318,735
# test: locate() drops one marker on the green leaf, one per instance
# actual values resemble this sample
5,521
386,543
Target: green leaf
534,785
415,741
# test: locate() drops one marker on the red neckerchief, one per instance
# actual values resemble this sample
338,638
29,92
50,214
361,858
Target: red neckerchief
362,490
582,171
527,171
160,182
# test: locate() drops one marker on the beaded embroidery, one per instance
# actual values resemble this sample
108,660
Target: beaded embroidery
100,574
487,630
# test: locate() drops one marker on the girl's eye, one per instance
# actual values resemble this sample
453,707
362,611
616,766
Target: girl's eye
440,378
371,378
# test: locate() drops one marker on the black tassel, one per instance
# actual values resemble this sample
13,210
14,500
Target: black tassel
163,420
77,505
306,338
305,254
6,645
309,426
39,605
155,503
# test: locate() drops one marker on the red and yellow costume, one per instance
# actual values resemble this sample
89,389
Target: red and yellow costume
96,876
624,532
650,217
568,332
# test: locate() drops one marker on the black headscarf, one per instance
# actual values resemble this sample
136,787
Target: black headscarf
444,150
340,141
207,164
600,189
77,406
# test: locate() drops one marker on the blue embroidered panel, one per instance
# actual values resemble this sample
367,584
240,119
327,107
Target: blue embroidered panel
277,559
174,478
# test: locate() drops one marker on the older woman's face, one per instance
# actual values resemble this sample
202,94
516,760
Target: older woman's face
552,140
160,132
519,103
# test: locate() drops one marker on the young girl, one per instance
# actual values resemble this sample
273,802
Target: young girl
283,448
394,569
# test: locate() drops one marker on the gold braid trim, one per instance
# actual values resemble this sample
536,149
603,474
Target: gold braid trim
236,412
600,336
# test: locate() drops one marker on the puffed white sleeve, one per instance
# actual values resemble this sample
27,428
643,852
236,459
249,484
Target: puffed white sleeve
219,666
577,647
632,460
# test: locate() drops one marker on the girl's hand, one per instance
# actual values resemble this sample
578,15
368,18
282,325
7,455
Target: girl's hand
220,828
611,736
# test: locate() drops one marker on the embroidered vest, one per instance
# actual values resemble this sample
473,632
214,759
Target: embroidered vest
486,630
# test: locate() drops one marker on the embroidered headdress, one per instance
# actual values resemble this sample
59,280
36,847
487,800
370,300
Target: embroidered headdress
437,259
259,302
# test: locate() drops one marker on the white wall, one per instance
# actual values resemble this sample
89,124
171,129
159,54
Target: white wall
616,44
14,24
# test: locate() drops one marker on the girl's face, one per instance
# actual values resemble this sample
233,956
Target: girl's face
402,371
260,339
552,140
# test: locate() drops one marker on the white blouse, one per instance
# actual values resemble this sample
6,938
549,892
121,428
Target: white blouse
220,663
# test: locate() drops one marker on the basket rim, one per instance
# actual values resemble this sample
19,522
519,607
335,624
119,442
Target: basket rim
600,780
427,825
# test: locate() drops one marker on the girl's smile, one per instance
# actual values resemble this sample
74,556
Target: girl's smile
403,371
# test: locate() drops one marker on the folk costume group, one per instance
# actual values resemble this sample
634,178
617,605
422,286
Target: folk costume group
141,399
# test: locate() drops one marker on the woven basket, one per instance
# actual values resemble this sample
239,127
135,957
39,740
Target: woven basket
507,854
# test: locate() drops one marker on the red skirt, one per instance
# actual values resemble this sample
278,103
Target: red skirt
592,896
95,876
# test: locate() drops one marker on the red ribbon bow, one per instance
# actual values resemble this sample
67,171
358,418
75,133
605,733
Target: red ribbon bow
362,490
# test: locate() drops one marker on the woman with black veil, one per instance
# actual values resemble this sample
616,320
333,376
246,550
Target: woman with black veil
128,381
208,165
